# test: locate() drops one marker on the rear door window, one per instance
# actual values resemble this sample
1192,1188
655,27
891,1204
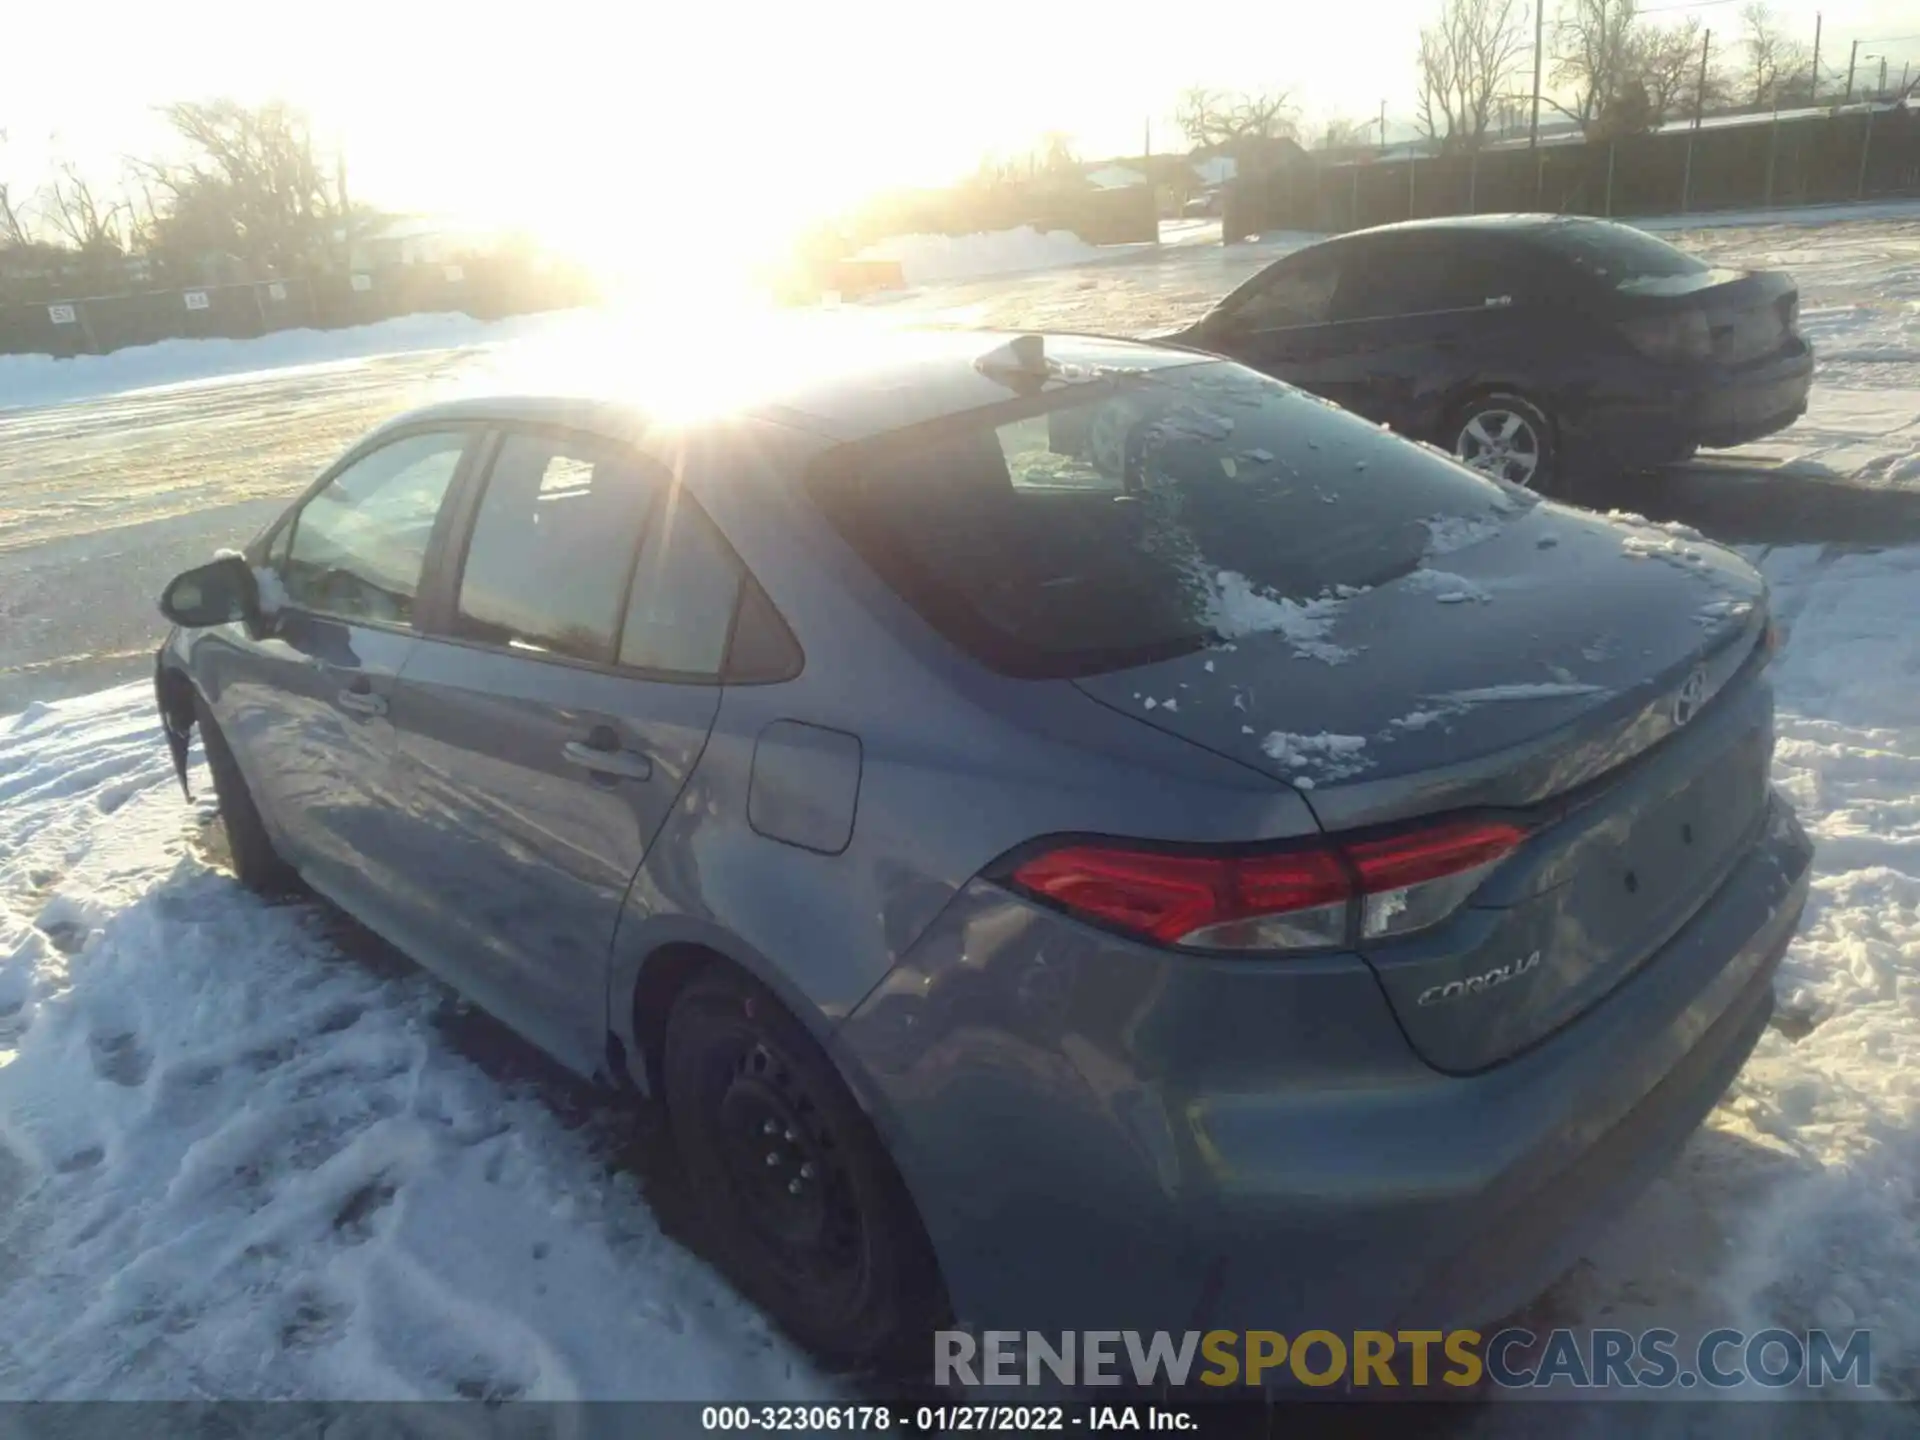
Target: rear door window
553,547
1154,514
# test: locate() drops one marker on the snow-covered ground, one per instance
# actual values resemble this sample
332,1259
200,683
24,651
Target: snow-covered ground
31,380
929,259
243,1152
235,1162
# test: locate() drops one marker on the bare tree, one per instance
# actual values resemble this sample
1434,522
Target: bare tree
1219,120
88,222
13,224
1669,67
1777,67
1596,53
1056,154
13,220
256,186
1469,58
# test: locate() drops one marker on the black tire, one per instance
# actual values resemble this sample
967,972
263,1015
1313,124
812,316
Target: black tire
824,1237
256,863
1504,433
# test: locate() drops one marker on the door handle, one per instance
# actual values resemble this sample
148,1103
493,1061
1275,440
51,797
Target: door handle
362,702
627,764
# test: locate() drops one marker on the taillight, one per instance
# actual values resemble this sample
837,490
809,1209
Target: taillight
1407,882
1671,335
1306,899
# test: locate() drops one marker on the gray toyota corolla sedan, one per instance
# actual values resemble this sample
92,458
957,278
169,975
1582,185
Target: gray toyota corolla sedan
1078,834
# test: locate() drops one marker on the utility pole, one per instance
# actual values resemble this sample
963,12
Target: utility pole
1883,77
1700,90
1383,125
1853,57
1699,106
1539,32
1814,93
1146,144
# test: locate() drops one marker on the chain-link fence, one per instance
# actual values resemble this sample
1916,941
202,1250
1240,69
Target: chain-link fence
93,325
1811,160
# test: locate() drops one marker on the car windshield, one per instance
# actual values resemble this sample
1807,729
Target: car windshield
1619,256
1108,523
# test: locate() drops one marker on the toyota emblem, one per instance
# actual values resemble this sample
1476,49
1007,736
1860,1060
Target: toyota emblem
1692,695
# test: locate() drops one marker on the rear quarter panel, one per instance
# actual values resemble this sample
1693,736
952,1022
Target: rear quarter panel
956,766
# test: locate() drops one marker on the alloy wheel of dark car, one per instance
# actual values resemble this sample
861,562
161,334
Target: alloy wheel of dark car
801,1205
1508,437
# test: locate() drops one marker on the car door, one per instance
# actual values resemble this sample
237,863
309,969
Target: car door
306,706
550,718
1418,313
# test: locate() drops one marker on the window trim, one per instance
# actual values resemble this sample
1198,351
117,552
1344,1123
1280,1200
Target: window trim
471,434
438,625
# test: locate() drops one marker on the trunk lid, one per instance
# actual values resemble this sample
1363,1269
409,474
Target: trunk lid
1750,317
1753,318
1592,676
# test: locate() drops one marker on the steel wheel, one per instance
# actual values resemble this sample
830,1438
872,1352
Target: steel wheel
1502,442
802,1206
793,1192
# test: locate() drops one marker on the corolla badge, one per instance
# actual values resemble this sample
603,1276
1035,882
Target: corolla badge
1691,696
1479,984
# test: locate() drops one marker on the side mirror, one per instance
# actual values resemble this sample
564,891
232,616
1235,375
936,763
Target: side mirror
212,594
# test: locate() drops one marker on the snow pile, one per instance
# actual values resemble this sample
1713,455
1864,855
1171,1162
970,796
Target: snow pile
1317,758
1237,608
28,380
1448,533
1672,550
1448,589
235,1164
929,259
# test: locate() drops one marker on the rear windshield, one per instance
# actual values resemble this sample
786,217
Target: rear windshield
1619,256
1113,522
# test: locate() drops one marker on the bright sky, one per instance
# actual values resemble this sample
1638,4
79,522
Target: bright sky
607,125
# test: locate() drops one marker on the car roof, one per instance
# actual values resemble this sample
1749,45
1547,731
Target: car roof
1519,224
843,381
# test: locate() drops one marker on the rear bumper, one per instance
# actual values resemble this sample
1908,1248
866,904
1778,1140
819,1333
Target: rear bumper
1723,408
1755,404
1070,1180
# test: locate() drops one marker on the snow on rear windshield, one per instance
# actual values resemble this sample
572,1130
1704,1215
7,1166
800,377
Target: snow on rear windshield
1108,524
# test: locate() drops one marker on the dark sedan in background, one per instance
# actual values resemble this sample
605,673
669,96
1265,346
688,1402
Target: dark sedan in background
1547,350
1081,835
